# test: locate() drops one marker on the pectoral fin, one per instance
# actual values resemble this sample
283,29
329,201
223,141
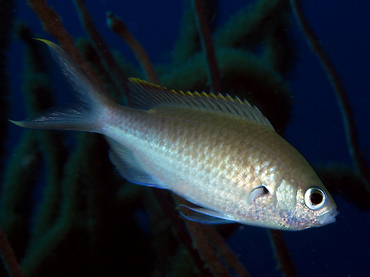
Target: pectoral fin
128,166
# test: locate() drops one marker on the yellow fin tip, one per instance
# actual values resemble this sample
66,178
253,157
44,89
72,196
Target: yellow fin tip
18,123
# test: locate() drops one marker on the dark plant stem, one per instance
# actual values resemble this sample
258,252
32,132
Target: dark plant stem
102,49
53,25
208,47
341,94
282,255
119,27
8,256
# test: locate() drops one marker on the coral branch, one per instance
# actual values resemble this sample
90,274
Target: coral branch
52,24
37,91
282,255
118,26
206,249
180,229
341,94
9,259
209,49
228,255
102,49
56,235
213,249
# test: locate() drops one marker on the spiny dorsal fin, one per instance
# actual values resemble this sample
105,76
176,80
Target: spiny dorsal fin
145,95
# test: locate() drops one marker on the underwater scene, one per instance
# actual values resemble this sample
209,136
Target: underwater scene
86,204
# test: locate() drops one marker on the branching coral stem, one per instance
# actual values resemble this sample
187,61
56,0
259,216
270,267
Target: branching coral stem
119,27
9,259
213,250
206,250
341,94
180,229
102,49
52,24
282,255
209,49
224,250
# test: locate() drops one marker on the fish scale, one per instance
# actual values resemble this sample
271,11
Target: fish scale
199,150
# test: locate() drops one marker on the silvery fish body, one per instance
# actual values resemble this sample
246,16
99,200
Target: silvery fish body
217,152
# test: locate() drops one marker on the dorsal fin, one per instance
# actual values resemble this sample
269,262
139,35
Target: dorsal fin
145,95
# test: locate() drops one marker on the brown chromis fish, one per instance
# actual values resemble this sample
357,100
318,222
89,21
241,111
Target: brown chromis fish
217,152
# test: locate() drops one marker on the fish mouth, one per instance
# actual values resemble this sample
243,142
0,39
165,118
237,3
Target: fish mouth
328,217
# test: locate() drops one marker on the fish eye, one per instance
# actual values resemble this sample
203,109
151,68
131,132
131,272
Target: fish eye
314,198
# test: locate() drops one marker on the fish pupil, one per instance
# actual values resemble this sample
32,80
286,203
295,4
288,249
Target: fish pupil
316,198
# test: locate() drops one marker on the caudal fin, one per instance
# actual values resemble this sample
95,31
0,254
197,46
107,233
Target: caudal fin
85,116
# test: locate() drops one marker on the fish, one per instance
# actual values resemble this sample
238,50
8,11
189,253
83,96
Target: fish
218,152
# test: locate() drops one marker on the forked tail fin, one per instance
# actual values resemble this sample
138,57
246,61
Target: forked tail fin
85,116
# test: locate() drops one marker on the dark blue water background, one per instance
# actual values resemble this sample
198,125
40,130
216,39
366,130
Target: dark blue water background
316,129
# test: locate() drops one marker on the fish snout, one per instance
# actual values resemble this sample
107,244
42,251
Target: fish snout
328,217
